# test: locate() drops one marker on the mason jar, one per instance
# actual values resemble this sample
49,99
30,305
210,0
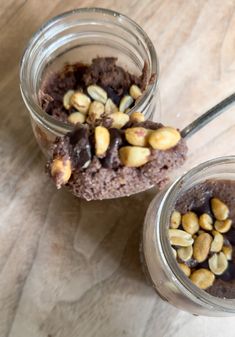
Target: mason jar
79,36
159,262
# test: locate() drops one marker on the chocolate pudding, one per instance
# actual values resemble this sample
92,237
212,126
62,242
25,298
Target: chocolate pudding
197,214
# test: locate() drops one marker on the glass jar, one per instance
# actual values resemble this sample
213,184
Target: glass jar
158,260
81,35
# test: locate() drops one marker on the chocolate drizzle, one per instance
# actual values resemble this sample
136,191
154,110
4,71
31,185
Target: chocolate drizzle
80,147
111,159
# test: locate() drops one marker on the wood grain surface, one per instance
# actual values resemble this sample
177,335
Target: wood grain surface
71,268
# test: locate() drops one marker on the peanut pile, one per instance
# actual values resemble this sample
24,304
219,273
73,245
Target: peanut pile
196,239
97,104
135,143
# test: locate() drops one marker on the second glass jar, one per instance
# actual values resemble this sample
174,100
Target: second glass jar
158,261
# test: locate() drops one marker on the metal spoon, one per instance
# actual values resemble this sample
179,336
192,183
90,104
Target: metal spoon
207,117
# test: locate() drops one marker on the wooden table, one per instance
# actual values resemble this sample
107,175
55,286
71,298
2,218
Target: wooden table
70,268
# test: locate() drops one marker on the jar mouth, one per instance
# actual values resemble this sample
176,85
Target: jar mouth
30,100
181,281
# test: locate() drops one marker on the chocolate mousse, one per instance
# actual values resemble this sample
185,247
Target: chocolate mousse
202,235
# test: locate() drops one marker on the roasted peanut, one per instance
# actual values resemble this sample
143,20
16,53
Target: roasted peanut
119,119
185,253
66,99
218,263
61,171
125,103
137,136
228,252
206,222
80,101
102,140
97,93
180,238
134,156
223,226
164,138
190,222
219,209
76,117
217,243
110,107
202,278
135,91
201,247
96,108
185,269
137,117
175,219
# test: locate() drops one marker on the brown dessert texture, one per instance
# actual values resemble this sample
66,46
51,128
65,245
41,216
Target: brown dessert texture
109,153
106,177
103,72
198,200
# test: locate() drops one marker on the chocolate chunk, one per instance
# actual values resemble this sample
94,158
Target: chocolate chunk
204,208
115,97
191,263
111,159
80,147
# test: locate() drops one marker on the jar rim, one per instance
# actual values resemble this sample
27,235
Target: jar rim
35,109
181,281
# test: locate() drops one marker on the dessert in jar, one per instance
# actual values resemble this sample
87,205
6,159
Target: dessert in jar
89,79
189,237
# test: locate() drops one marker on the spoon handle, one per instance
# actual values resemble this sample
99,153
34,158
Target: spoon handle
208,116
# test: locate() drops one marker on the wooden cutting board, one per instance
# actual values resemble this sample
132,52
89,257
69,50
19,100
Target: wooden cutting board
71,268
